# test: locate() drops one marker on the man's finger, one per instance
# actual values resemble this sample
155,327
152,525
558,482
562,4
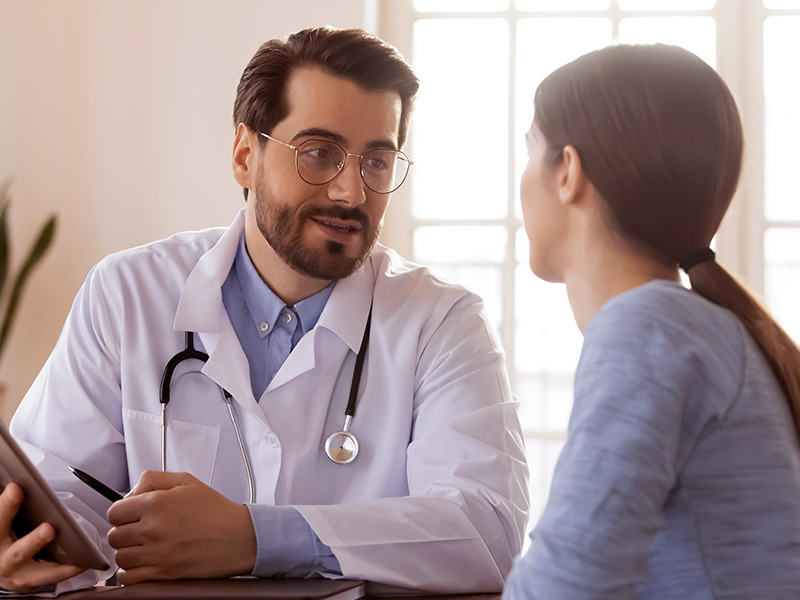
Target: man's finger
124,536
10,501
36,574
136,557
140,574
125,511
29,573
26,547
160,480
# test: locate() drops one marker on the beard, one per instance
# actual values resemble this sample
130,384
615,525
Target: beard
283,231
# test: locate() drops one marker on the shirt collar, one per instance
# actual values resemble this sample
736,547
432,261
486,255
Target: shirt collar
264,305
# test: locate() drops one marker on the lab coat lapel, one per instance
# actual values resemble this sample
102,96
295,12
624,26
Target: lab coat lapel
228,367
345,314
200,309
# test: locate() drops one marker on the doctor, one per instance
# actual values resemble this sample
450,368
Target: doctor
241,480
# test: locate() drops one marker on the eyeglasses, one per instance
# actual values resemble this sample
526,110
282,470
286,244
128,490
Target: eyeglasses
320,161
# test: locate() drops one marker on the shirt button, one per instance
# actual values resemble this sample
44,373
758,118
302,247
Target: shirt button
271,440
264,326
287,317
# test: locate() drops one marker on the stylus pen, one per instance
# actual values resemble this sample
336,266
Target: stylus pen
96,485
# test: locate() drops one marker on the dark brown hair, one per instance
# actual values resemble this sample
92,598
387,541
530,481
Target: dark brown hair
352,54
660,138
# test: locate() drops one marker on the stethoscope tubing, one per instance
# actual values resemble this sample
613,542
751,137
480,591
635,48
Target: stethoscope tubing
350,411
190,353
250,479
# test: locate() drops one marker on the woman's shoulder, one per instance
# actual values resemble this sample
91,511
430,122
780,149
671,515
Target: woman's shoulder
669,308
664,330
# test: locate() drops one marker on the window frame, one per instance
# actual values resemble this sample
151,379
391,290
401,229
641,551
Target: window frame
741,238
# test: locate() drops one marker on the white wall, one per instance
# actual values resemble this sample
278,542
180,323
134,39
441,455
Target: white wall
116,115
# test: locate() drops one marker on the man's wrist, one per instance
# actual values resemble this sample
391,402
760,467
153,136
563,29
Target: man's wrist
248,553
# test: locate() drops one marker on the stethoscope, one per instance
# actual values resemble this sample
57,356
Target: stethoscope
190,353
341,447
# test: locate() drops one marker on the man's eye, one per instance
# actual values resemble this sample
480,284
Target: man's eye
376,163
318,153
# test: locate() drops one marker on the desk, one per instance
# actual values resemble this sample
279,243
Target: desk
246,588
228,589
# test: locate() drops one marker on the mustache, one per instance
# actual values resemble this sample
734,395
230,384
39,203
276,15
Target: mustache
336,212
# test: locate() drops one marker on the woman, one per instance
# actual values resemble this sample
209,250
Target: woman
680,477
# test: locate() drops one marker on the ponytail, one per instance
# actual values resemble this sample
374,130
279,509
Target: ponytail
712,281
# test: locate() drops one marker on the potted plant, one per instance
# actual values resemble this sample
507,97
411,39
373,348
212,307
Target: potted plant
11,287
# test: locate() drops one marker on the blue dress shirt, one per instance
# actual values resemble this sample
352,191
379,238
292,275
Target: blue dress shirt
268,330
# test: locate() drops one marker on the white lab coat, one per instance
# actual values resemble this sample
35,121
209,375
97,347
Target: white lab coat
437,497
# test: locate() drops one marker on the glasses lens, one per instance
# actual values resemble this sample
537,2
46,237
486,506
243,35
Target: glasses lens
319,161
384,170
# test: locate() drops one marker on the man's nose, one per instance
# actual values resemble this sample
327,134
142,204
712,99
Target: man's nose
348,187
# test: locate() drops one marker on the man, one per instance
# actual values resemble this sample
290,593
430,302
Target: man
243,479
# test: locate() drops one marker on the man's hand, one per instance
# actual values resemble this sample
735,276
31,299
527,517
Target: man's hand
173,526
19,570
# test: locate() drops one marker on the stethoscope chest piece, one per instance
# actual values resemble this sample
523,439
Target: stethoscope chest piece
341,447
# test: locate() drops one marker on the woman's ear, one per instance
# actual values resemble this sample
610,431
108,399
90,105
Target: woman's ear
571,177
244,156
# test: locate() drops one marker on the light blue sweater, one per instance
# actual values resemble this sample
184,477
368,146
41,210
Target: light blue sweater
680,477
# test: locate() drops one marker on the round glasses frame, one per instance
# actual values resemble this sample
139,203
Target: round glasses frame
340,167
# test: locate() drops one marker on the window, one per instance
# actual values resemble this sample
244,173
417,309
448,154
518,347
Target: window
479,62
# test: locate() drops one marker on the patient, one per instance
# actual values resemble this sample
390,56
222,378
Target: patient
680,477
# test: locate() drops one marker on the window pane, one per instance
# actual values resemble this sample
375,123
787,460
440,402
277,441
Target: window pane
438,245
543,45
782,277
548,340
546,400
459,5
486,281
522,246
781,118
542,457
471,256
563,5
782,3
460,146
666,4
696,34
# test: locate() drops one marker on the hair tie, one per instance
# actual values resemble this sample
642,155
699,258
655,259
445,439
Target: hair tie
696,257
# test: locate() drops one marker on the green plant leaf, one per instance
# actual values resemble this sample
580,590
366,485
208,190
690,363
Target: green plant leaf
5,199
34,256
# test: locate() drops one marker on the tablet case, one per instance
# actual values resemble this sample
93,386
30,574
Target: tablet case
71,544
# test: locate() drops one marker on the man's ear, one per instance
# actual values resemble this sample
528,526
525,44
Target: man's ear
245,146
571,177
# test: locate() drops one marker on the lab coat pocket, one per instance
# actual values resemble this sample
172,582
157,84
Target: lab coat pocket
191,447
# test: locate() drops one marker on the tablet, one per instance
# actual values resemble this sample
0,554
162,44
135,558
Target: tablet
71,545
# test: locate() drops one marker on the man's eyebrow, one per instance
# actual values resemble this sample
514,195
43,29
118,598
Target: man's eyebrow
318,132
327,134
